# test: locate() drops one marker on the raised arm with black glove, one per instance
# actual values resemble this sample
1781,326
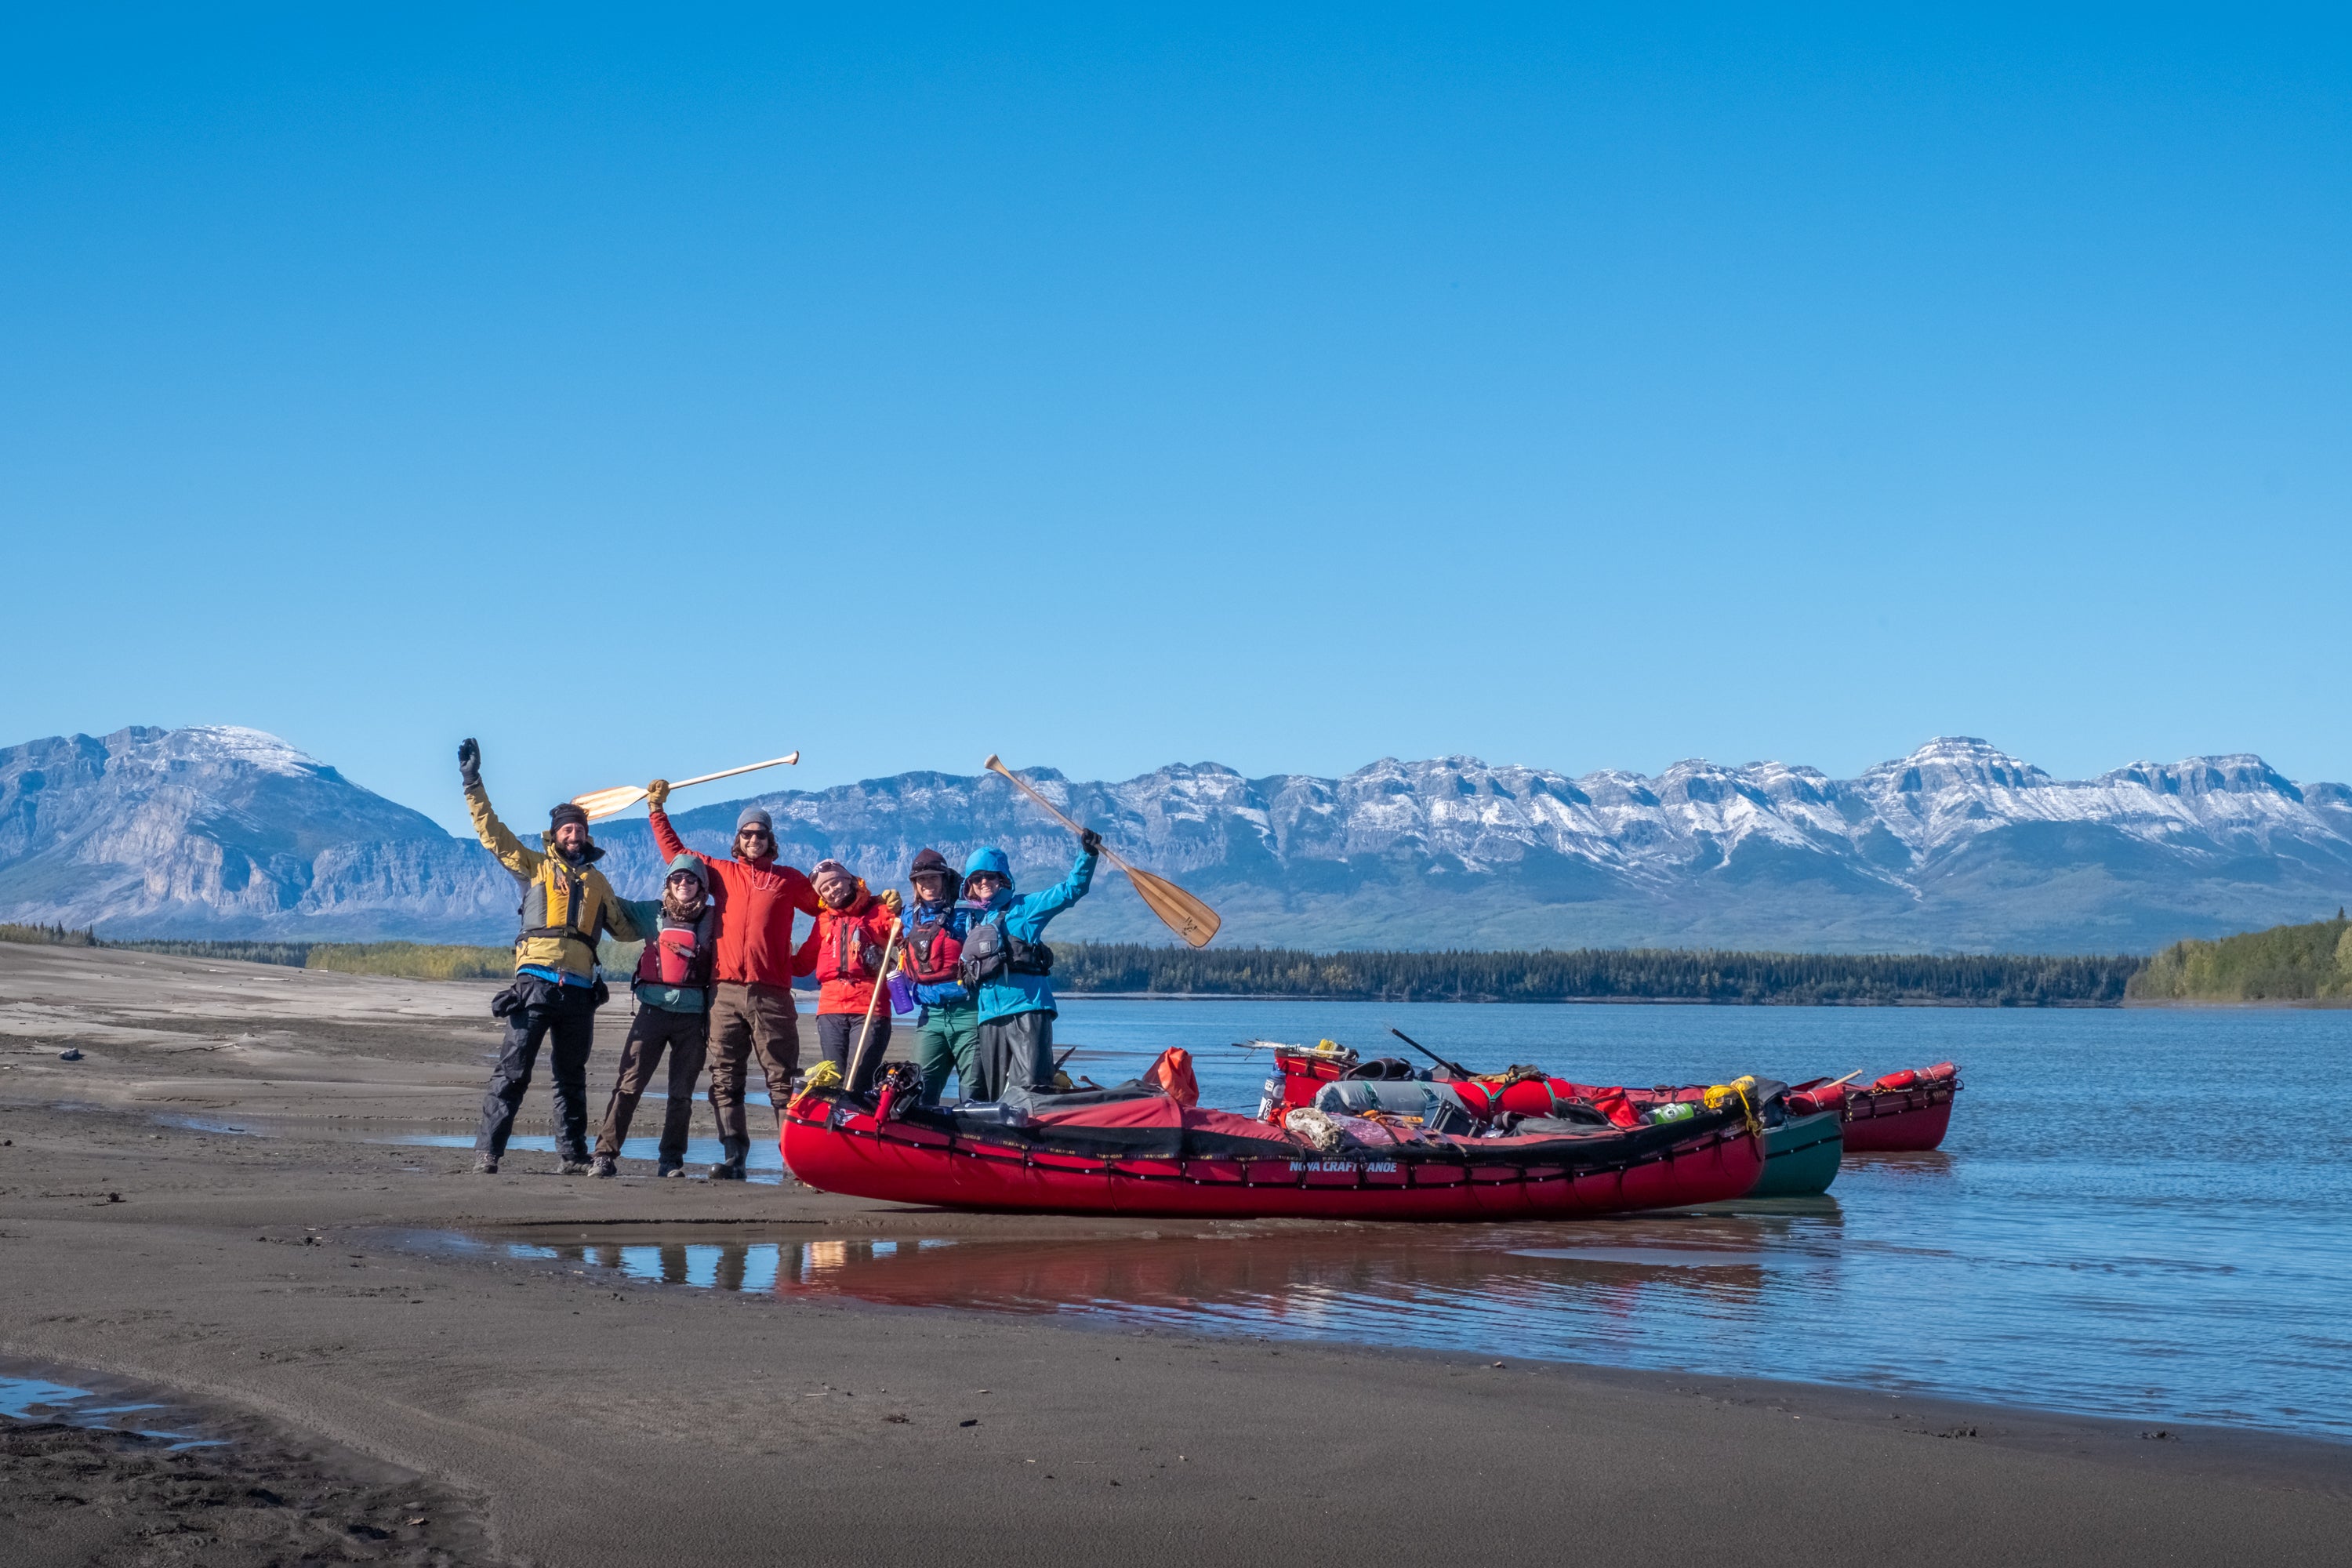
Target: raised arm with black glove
469,763
1090,841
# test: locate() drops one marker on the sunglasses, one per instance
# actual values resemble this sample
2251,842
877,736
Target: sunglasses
753,833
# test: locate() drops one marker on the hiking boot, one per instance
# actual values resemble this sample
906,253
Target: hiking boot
671,1168
572,1168
486,1164
602,1166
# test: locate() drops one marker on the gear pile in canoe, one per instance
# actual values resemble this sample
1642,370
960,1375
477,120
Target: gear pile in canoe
1808,1130
1139,1149
1803,1142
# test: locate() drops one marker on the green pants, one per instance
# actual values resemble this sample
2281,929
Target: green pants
949,1039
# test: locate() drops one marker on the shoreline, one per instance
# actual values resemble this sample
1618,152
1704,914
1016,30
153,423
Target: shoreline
1565,1001
589,1416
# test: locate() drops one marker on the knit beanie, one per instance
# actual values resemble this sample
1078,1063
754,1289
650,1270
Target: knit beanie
755,816
558,816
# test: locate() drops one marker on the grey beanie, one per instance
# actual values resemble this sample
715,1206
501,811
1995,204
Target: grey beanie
755,816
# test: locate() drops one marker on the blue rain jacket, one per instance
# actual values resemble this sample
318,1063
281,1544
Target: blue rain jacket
1025,916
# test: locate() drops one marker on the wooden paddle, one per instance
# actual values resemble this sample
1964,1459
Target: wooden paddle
599,802
1185,915
850,1080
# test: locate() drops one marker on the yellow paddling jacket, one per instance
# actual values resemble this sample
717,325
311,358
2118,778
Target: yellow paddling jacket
562,903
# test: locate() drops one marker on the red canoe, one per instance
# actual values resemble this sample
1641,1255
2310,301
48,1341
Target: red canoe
1907,1112
1154,1157
1903,1111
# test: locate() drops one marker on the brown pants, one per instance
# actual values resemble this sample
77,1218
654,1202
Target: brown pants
745,1019
651,1032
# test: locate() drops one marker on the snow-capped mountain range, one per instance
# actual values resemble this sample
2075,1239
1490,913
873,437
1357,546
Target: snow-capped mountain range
1959,846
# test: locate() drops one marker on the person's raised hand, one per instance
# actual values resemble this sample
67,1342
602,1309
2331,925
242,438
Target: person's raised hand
469,762
1090,841
656,793
891,901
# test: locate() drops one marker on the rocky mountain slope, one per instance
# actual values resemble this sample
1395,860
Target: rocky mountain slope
1958,846
220,831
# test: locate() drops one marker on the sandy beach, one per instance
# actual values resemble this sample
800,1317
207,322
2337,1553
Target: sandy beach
389,1399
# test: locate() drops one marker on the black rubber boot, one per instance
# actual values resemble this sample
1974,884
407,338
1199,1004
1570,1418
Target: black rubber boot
731,1165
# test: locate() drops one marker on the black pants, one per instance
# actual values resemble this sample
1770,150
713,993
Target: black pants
568,1014
837,1038
686,1036
1015,1050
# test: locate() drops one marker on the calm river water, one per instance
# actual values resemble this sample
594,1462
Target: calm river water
2145,1213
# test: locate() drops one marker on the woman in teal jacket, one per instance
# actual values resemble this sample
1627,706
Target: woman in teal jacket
1017,1005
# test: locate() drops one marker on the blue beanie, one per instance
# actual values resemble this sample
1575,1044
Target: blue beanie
988,858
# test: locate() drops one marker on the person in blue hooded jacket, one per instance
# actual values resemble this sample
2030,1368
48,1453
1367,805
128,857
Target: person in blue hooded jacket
1012,967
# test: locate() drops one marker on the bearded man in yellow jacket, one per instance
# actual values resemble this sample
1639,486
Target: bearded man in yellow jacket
566,902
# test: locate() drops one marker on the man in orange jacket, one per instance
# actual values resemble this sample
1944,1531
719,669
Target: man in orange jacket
844,953
751,996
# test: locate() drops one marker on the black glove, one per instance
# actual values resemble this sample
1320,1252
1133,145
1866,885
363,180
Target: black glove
469,763
1090,841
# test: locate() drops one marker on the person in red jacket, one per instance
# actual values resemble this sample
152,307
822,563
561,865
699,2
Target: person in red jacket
751,994
844,953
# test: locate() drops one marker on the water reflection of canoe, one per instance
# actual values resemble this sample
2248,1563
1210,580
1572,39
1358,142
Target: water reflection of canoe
1904,1111
1151,1156
1287,1280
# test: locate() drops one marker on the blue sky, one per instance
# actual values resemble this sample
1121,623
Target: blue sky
651,394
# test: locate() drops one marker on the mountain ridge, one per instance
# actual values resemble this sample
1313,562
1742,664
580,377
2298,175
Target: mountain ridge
1959,846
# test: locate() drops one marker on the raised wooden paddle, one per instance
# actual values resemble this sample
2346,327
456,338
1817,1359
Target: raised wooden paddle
854,1079
1185,915
599,802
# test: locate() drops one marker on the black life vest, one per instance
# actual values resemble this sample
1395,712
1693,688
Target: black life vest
991,949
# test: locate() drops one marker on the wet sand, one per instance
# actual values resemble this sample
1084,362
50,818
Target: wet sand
540,1414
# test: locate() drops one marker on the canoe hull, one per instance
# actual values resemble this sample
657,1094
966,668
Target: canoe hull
1801,1156
1907,1129
1904,1112
838,1147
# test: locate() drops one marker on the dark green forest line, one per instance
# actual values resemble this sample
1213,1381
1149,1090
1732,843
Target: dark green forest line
1602,975
1593,974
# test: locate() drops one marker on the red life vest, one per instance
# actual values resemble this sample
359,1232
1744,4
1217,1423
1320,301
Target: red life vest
674,958
931,952
848,953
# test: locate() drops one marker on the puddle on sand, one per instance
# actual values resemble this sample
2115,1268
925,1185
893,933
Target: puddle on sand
26,1394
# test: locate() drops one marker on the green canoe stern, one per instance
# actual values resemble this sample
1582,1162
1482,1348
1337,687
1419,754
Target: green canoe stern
1801,1156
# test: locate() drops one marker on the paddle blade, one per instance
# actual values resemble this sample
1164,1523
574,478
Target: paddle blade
605,802
1187,916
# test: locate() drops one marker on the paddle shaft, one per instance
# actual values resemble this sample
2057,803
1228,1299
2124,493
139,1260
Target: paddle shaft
620,798
881,983
1183,913
1432,1056
746,768
997,766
